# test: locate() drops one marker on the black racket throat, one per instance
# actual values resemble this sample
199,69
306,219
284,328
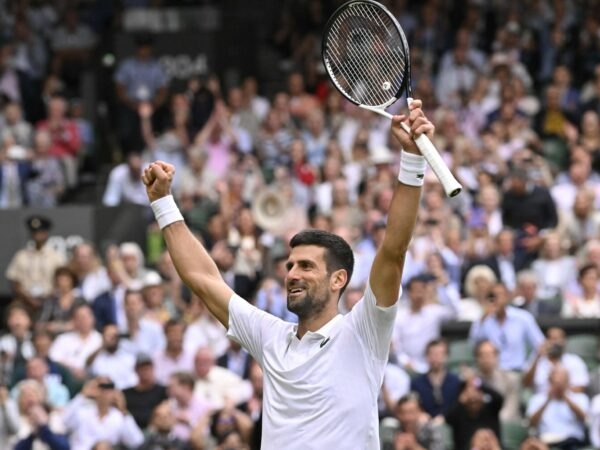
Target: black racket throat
366,54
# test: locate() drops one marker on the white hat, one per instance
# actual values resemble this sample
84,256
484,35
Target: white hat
151,278
16,152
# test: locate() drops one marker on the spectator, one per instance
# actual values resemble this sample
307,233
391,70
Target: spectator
506,383
124,184
188,409
30,286
478,282
438,388
15,346
586,304
160,432
419,324
254,407
47,186
217,385
147,394
14,125
581,223
57,310
195,179
141,335
511,330
559,415
74,347
130,258
56,393
485,439
138,79
64,136
552,354
99,413
159,307
110,360
37,425
526,296
594,421
203,330
15,172
91,273
478,407
236,359
415,429
9,417
174,358
554,268
9,78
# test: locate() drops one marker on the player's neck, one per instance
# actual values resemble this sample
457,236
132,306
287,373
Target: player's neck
315,323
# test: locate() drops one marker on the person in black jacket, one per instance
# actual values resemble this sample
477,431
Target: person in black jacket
478,406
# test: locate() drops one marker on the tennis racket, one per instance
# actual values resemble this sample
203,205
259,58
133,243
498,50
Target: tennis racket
366,56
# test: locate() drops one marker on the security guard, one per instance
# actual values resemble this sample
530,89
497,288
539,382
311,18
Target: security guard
31,270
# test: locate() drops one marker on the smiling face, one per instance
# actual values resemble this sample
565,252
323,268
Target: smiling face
307,281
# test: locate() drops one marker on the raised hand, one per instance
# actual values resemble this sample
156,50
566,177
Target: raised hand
418,123
157,178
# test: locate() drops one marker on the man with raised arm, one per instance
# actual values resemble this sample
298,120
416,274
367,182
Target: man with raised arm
322,376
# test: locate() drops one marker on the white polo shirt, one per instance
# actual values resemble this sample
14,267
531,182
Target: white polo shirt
319,392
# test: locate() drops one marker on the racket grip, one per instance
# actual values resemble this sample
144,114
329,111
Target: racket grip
451,186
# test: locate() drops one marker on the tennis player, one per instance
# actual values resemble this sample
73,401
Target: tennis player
322,376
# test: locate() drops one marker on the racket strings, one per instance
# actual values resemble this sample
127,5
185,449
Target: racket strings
366,58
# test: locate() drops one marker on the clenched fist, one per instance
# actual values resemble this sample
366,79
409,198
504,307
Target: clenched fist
157,178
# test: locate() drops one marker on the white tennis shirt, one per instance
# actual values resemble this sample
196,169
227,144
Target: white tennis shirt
319,392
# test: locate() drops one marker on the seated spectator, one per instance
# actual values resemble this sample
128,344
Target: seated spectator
485,439
159,308
130,258
124,183
438,389
582,222
478,281
111,361
217,385
56,393
203,330
594,422
74,347
419,322
559,415
587,303
237,359
38,426
99,413
511,330
230,420
188,409
506,383
526,296
254,407
552,354
478,407
9,418
271,297
12,123
174,358
554,268
141,335
91,274
147,394
15,345
160,432
57,310
415,429
48,184
15,173
64,135
396,384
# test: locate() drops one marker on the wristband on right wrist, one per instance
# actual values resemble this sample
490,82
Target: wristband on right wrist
412,169
166,211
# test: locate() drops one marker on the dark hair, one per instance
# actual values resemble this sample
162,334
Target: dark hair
436,342
79,306
172,323
585,269
338,254
412,396
67,271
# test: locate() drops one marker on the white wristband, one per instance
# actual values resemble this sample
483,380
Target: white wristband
166,211
412,169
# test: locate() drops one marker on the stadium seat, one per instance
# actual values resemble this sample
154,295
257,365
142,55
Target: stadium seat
460,353
586,346
513,433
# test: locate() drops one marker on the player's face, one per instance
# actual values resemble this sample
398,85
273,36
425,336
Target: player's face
307,281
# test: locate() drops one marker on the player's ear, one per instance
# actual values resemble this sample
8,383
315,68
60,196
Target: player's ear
338,279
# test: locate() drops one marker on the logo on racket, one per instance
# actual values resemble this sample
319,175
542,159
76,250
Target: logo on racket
386,85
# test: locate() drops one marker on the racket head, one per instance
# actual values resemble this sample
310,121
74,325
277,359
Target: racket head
366,54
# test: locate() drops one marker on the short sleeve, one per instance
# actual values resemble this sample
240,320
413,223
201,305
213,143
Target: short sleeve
374,324
252,327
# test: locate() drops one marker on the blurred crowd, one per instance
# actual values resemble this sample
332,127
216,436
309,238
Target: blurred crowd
105,348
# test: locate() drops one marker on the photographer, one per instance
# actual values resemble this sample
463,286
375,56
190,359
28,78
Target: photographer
551,354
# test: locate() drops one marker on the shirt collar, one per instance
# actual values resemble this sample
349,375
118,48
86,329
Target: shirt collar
322,332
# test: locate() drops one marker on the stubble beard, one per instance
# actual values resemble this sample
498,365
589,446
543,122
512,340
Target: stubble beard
309,305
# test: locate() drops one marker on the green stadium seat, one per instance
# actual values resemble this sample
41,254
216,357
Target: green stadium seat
586,346
460,353
513,433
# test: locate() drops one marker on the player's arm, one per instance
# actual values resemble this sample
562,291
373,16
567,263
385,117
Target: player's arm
386,272
193,263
